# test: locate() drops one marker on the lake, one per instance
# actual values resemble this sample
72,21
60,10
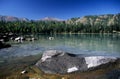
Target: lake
91,44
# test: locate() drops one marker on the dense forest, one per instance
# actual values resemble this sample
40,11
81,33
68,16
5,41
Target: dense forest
88,24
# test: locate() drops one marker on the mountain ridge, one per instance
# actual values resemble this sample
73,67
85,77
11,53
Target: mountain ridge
50,19
90,23
13,18
107,19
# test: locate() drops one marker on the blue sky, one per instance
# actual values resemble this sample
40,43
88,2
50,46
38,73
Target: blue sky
63,9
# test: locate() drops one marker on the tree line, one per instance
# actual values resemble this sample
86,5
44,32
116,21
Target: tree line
52,27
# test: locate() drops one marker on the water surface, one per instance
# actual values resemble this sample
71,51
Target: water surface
91,44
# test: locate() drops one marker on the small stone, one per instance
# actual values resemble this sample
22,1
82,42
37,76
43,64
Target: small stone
63,78
23,72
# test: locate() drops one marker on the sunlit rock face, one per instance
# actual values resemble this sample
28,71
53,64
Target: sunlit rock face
54,61
93,61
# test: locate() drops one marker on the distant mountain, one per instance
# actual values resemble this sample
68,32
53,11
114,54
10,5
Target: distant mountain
11,18
50,19
107,19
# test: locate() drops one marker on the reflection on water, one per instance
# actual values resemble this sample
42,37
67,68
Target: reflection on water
93,44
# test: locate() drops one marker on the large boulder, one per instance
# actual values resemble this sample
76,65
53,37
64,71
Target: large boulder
54,61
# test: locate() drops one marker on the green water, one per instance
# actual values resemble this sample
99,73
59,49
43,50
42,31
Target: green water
92,44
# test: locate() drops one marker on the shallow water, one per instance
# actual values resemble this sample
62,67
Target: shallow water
91,44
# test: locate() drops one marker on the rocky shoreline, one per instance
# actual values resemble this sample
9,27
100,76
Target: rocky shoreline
12,68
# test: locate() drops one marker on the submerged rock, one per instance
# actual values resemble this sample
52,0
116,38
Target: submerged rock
54,61
4,45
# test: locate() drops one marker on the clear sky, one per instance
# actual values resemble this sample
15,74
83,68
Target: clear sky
63,9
